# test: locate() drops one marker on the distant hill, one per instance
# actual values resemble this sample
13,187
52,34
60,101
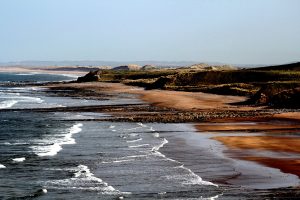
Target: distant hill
128,67
96,63
287,67
83,69
207,67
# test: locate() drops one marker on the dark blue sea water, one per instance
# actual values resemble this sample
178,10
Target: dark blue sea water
58,155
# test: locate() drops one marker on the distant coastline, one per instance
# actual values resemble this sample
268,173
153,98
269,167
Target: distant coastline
96,63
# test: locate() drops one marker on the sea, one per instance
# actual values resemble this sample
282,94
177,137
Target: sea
64,155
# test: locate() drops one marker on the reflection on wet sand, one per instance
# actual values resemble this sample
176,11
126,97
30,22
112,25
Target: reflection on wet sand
275,144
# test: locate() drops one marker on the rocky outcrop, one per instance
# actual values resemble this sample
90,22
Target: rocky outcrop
128,68
91,76
280,98
286,99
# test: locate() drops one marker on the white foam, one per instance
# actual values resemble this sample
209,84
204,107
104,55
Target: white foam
141,124
125,159
24,74
133,134
76,128
83,179
151,129
37,89
131,129
128,135
84,171
134,156
30,99
156,148
7,94
118,161
18,98
132,141
19,143
191,178
111,126
194,179
7,104
46,149
155,135
44,190
19,159
212,198
15,144
2,166
137,146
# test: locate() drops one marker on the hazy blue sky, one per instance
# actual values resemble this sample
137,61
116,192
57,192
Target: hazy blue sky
231,31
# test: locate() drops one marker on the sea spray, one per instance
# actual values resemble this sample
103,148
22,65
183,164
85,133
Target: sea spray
18,159
2,166
7,104
46,149
83,179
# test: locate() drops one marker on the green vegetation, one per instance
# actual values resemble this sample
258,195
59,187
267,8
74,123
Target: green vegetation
119,76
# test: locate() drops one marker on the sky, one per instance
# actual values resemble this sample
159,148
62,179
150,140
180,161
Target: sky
227,31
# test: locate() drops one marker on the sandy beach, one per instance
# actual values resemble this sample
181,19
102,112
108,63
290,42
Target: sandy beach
47,70
189,101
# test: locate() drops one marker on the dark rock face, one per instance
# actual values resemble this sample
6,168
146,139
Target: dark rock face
160,83
91,76
284,98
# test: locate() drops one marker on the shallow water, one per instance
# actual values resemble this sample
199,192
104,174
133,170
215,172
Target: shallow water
48,156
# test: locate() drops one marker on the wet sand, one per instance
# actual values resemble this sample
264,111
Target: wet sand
285,165
278,127
291,116
270,143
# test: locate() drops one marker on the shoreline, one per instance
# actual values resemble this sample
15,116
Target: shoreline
43,71
164,104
